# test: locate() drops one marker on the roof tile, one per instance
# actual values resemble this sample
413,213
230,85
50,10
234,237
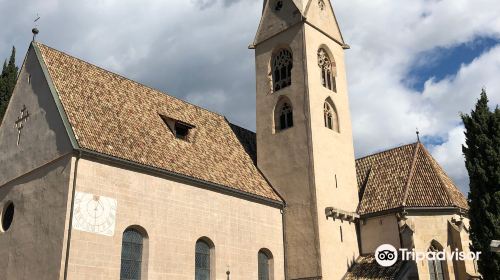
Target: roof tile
118,117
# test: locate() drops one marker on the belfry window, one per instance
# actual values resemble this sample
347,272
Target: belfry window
328,70
286,116
132,251
331,116
282,64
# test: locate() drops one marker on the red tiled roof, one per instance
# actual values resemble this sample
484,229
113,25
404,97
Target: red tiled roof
115,116
406,176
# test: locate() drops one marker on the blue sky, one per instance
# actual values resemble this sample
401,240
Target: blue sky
442,62
412,63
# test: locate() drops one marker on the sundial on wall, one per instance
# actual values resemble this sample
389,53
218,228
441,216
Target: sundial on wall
94,214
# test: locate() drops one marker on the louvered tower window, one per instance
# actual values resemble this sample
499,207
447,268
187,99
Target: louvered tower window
202,261
131,261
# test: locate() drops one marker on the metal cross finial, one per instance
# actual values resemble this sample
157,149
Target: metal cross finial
21,120
418,135
35,29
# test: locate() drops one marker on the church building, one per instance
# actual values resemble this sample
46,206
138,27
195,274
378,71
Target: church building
105,178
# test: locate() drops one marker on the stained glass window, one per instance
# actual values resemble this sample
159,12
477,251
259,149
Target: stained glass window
132,246
282,65
202,261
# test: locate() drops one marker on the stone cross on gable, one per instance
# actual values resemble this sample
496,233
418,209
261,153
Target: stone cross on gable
21,120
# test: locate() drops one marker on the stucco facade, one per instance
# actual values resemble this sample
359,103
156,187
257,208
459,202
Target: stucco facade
174,215
316,169
446,230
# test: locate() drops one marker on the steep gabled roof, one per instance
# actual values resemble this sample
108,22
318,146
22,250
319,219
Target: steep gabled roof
406,176
117,117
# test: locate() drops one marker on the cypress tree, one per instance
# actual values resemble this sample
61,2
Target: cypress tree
482,159
8,81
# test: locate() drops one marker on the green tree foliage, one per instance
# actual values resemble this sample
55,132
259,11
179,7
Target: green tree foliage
8,80
482,159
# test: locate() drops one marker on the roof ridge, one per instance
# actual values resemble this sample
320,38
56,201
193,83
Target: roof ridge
438,175
410,175
128,79
386,151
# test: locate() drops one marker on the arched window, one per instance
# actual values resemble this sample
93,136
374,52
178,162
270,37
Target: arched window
330,115
132,262
328,70
282,64
265,259
436,267
204,261
283,114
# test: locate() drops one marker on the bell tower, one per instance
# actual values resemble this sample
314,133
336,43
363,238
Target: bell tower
304,135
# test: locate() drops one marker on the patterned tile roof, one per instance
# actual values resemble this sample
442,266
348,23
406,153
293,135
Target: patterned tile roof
115,116
406,176
367,268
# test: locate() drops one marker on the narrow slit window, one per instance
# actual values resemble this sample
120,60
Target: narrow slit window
341,235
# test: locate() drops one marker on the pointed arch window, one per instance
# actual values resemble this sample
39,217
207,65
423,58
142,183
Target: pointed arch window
436,267
328,70
265,261
132,261
282,64
330,116
204,260
283,114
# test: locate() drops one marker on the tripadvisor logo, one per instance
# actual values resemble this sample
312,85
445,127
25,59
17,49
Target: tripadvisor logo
386,255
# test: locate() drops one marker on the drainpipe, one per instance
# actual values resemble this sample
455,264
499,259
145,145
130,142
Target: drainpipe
68,243
285,254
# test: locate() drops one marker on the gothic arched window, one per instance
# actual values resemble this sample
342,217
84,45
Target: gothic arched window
265,269
132,255
203,260
282,64
330,115
283,114
436,267
328,70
